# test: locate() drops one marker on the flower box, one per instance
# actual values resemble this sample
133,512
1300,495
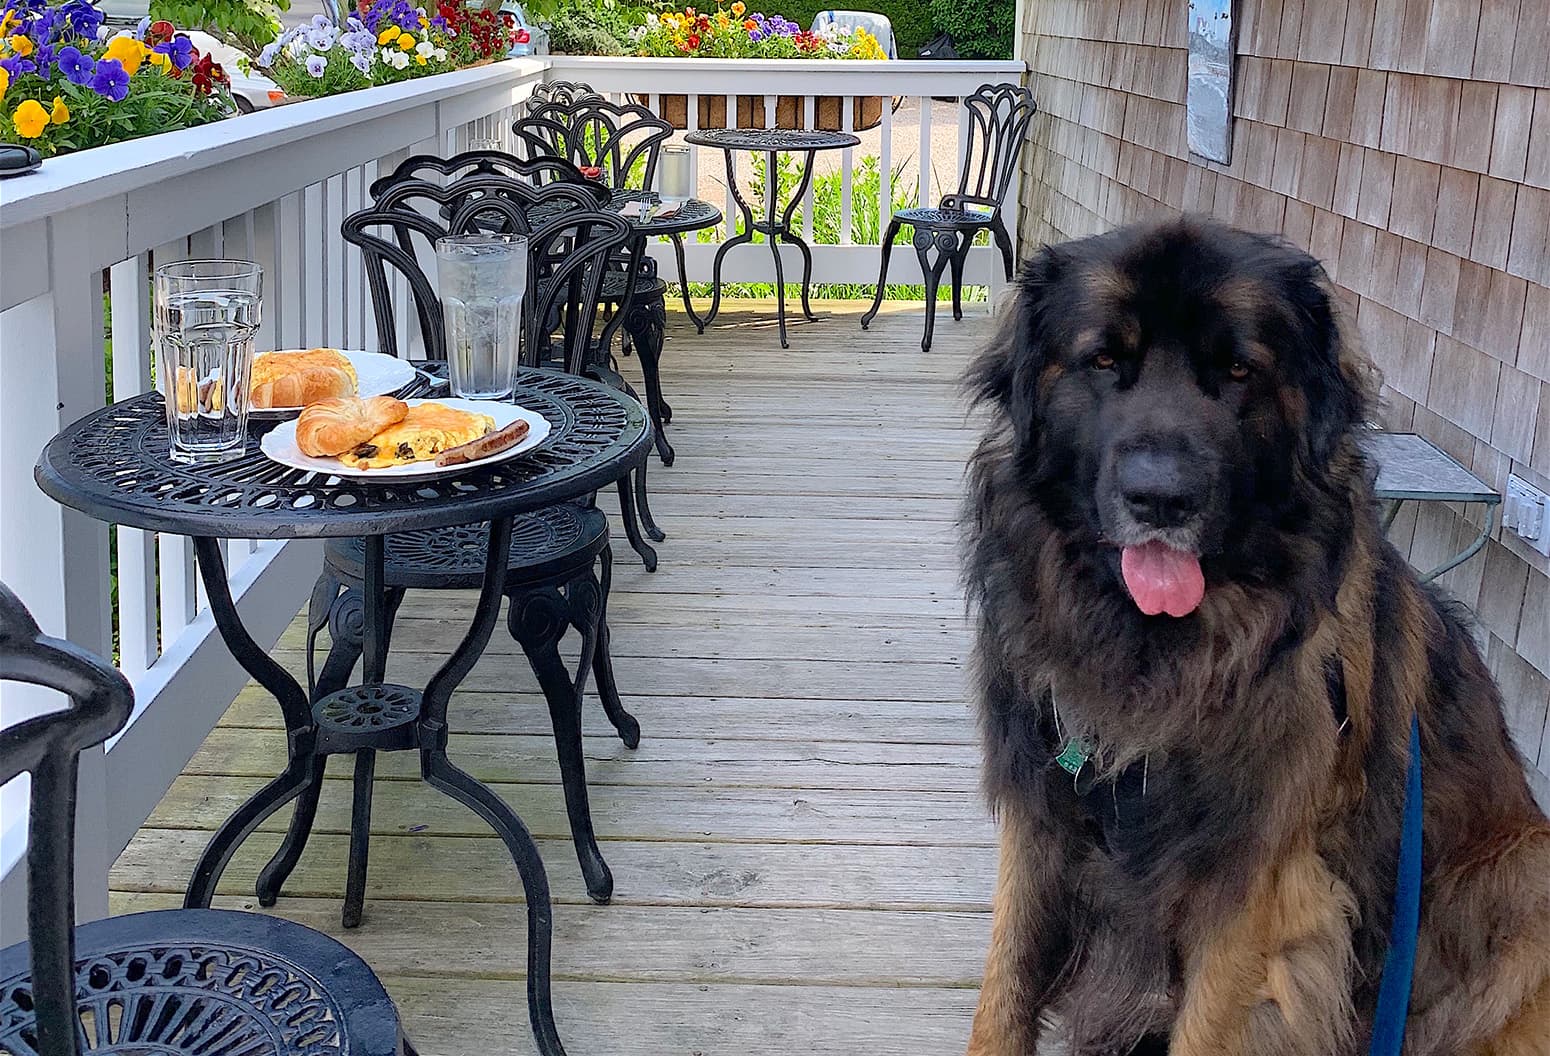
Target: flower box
790,111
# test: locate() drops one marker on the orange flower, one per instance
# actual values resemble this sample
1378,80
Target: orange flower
738,8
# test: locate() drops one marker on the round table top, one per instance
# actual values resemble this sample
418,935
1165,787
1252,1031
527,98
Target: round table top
692,215
772,139
113,465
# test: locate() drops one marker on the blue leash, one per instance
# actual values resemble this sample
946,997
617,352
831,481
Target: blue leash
1388,1029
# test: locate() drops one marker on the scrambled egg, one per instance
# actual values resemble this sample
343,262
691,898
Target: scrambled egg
428,430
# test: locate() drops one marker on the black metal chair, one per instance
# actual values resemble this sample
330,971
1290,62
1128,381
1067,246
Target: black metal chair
999,115
197,982
565,92
624,142
636,508
560,566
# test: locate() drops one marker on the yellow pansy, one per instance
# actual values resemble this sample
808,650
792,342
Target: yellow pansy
7,21
5,79
61,112
388,34
738,8
30,119
21,45
405,42
128,51
420,59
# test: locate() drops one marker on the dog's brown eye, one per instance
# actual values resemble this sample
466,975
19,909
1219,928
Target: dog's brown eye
1102,361
1238,371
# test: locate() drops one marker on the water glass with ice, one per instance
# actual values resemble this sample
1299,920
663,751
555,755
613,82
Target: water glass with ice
482,280
674,180
207,314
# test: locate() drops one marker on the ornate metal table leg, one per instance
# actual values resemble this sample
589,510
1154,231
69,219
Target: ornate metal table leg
647,324
772,224
683,283
273,876
441,774
742,238
376,606
788,233
302,765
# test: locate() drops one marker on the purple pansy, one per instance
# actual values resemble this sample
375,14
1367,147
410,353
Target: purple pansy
317,65
179,49
142,27
76,67
15,66
111,81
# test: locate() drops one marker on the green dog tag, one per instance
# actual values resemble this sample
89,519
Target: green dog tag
1076,754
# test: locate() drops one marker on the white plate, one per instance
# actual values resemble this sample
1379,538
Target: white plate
376,374
280,445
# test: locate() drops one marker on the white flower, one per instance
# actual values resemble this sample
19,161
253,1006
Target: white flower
425,48
399,60
440,54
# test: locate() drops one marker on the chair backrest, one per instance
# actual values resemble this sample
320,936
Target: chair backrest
565,92
999,116
874,23
624,141
569,242
48,747
495,162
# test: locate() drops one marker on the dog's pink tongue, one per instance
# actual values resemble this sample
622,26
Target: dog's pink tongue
1162,579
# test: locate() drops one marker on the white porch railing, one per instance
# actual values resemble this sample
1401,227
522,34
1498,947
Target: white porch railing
905,142
83,235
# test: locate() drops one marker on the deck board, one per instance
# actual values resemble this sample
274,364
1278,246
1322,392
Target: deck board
803,861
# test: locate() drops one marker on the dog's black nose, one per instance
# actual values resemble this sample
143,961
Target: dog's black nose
1164,489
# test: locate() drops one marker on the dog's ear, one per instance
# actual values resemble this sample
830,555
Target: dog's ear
1006,373
1336,377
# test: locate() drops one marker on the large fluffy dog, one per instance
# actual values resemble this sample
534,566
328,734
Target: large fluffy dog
1175,555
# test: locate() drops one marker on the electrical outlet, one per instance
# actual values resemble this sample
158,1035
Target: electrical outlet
1527,512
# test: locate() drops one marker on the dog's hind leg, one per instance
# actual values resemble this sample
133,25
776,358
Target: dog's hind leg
1030,939
1274,979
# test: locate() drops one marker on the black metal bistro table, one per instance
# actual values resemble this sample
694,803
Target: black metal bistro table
776,225
114,465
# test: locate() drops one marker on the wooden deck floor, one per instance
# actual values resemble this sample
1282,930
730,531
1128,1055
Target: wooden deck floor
802,861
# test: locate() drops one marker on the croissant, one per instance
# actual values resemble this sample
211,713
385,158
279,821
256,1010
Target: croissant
295,379
333,426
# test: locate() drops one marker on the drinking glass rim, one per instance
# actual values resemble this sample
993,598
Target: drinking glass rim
487,238
209,268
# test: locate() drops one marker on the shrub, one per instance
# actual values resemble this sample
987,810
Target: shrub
591,27
981,29
911,18
247,24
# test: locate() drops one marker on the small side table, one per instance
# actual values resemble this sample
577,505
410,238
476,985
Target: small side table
1412,468
776,224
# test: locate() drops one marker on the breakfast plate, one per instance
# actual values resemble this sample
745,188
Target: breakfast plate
280,445
376,374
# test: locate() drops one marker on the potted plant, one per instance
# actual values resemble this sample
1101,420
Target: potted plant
63,89
736,33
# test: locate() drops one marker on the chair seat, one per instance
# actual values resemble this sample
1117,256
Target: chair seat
209,981
944,219
548,544
646,286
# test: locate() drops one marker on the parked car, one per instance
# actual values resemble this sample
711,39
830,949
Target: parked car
532,39
251,91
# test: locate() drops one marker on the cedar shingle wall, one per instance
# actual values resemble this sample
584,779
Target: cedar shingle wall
1406,143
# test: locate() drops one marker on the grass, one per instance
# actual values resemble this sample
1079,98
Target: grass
865,230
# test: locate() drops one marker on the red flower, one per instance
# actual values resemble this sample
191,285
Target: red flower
161,30
694,41
523,36
703,22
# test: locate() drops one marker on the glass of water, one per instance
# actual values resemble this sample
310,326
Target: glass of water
207,313
482,280
674,181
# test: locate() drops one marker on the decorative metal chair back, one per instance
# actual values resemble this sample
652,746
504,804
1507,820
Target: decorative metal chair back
48,747
999,116
563,92
624,141
491,162
569,242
